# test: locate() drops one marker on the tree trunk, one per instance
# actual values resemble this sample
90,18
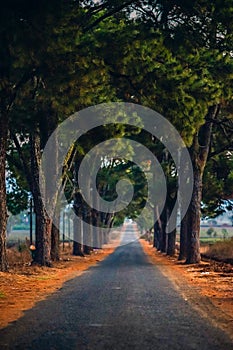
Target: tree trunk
194,215
171,237
171,243
77,221
87,232
43,221
163,238
108,223
55,234
55,242
77,249
184,177
199,153
43,237
105,236
87,249
183,237
96,222
100,232
3,208
48,125
157,229
77,242
95,230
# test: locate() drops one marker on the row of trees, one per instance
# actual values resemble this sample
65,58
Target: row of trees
62,56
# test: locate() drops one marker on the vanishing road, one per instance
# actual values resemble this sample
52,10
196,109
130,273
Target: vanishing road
123,303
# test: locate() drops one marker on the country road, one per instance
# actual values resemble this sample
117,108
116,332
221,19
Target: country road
124,302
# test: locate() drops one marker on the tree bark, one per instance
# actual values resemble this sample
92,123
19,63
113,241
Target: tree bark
87,232
183,237
77,242
157,229
55,243
43,221
96,222
163,238
100,232
105,236
194,215
171,243
43,236
77,249
184,177
171,236
95,230
55,234
3,208
50,123
87,249
199,153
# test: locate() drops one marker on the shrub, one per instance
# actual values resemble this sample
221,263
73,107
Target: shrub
225,233
210,231
221,250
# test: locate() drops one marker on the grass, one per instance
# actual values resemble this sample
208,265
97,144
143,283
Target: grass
2,295
218,236
221,249
43,278
209,240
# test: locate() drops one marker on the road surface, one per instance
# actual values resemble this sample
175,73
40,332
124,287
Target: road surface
123,303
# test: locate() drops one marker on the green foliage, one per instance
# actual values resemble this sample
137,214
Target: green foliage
217,184
210,231
225,233
180,85
108,178
190,24
118,220
17,201
53,65
17,186
48,74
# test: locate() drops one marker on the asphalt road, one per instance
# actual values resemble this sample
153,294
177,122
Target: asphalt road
123,303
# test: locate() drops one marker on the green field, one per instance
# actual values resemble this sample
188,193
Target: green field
217,235
20,235
16,236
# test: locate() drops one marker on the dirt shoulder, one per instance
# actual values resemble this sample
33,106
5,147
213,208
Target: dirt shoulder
208,286
24,285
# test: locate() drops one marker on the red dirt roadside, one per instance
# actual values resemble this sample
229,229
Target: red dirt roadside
23,286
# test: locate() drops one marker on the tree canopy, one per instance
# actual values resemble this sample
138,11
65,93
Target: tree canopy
59,57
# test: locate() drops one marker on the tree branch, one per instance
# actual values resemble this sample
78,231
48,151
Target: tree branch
23,159
206,132
229,148
108,14
26,77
